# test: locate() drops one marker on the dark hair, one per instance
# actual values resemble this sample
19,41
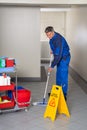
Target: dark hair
49,29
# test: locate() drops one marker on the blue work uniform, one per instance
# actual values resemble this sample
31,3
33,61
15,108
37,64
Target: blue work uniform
61,59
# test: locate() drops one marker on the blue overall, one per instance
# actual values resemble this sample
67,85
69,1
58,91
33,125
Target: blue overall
61,60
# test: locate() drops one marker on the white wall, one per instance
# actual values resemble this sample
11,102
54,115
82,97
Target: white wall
20,38
55,19
77,37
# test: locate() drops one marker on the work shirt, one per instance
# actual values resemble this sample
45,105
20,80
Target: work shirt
59,47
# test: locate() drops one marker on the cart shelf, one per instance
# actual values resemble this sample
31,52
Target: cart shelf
4,105
7,87
7,69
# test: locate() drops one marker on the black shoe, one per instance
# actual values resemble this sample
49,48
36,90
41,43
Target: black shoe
48,94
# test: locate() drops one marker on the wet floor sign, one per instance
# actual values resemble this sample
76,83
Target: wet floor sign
56,103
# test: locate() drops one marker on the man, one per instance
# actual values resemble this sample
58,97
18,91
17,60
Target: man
60,50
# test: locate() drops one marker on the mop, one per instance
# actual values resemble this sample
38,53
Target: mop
44,103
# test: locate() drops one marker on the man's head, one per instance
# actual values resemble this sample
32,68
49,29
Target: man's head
49,32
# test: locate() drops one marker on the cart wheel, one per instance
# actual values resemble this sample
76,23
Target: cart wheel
26,110
1,113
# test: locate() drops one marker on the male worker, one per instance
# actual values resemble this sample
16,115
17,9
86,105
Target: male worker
60,50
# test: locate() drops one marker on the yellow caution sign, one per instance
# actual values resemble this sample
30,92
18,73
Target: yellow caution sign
62,106
56,102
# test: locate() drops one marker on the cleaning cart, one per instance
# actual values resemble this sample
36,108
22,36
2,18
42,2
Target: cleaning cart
13,99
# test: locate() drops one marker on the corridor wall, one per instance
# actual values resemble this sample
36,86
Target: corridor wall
76,34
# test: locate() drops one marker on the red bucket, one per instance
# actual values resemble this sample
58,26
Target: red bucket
23,97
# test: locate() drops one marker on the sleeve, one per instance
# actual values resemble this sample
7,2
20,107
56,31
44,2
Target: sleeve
58,52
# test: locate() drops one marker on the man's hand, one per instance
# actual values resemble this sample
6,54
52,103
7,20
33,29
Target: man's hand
51,52
50,69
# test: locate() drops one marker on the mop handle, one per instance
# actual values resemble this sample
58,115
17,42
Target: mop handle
48,75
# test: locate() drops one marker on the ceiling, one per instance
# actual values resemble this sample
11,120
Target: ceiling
44,5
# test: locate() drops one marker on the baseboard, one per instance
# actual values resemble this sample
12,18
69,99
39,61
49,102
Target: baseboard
45,61
43,77
78,79
27,79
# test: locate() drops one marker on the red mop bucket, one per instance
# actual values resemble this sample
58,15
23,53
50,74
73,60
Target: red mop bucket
23,97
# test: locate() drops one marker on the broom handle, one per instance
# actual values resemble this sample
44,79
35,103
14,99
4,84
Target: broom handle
48,75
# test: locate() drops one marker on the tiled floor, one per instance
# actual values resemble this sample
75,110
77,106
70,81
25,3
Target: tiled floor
33,118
